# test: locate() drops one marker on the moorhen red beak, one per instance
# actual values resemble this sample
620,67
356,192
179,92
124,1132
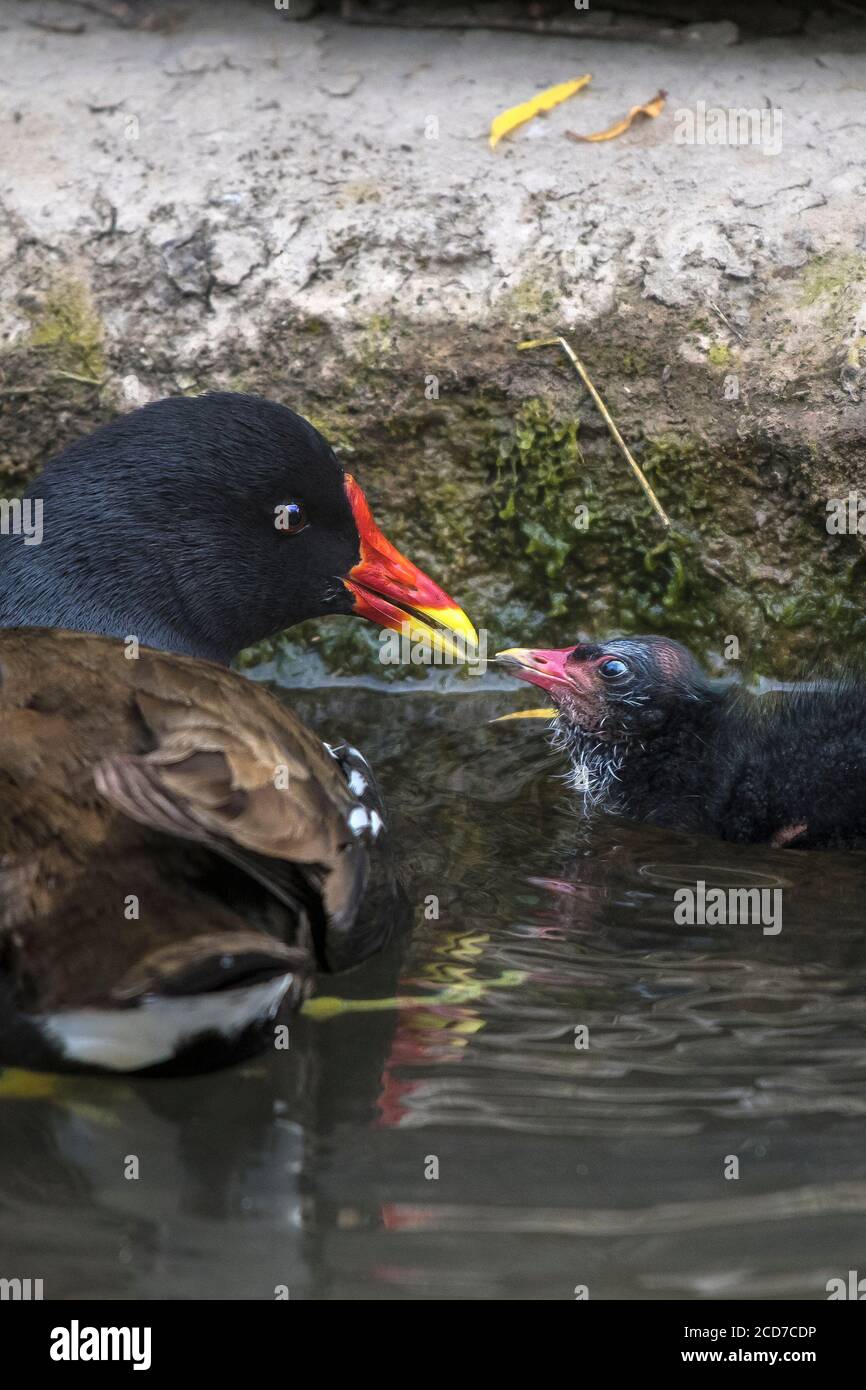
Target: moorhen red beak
392,592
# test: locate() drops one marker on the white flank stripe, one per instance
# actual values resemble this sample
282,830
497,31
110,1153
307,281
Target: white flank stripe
127,1039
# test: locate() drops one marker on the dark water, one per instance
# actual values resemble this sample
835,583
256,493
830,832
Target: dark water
557,1166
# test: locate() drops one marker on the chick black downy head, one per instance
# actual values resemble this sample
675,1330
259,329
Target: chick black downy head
631,713
628,687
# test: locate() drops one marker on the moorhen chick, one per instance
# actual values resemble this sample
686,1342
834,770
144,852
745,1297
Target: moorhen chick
177,852
651,737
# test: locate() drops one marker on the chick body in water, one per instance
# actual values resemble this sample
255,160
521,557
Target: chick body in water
651,737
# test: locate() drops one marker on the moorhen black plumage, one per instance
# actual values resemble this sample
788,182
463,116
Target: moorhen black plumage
177,852
204,524
651,737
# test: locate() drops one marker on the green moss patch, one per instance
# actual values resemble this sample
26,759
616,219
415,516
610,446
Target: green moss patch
68,328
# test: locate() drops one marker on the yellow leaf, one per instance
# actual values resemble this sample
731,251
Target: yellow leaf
651,108
323,1007
16,1084
549,713
545,101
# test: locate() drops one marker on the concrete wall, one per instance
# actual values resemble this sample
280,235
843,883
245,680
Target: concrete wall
311,210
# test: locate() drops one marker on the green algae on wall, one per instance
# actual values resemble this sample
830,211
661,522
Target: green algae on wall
67,327
828,276
522,508
539,472
720,355
544,537
573,517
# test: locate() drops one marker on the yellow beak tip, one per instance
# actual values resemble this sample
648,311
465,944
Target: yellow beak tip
547,712
455,621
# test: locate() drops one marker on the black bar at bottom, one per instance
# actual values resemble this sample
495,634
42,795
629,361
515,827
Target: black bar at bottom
83,1338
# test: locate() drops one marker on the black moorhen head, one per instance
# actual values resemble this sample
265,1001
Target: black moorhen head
202,525
652,738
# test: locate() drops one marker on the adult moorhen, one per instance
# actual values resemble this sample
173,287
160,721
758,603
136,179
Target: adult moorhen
177,851
652,738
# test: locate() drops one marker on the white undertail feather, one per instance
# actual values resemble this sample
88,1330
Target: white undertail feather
160,1027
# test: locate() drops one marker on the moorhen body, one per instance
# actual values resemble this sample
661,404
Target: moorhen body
651,737
177,852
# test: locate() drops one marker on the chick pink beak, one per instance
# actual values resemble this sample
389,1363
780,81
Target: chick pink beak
543,668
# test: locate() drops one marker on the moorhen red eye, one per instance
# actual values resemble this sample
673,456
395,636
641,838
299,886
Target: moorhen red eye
674,747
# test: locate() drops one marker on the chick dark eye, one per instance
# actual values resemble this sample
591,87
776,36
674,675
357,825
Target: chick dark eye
290,517
612,668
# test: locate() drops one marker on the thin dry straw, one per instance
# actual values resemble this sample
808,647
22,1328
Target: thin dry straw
605,415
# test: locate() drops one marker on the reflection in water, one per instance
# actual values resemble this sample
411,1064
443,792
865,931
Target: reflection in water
558,1164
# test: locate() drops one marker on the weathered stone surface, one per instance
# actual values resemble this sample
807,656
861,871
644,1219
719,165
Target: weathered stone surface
312,211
